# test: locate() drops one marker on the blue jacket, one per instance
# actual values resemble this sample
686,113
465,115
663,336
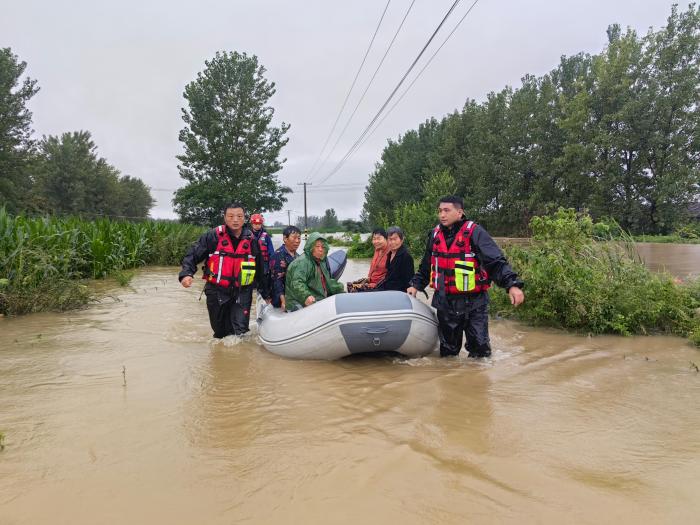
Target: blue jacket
279,262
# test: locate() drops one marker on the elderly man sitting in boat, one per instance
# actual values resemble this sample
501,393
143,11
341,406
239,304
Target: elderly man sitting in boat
308,277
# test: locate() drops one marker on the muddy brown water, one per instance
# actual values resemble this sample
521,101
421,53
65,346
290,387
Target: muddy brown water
127,412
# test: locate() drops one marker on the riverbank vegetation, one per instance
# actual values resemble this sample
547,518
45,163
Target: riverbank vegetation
578,281
44,261
685,234
614,133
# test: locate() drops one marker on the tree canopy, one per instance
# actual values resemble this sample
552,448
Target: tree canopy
617,133
15,131
60,175
232,150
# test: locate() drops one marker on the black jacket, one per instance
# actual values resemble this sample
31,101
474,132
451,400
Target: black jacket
487,252
207,244
399,271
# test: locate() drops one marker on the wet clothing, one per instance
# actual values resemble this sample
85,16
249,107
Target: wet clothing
399,271
229,315
279,262
468,313
468,316
307,276
229,308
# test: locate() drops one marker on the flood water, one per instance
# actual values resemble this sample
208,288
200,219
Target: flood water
681,260
128,413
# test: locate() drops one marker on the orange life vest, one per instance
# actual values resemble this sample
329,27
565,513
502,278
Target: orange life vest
456,269
228,267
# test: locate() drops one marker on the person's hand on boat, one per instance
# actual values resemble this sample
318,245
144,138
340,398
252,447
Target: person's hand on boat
187,281
412,291
309,300
516,296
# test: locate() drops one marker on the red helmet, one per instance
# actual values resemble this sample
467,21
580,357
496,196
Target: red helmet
257,218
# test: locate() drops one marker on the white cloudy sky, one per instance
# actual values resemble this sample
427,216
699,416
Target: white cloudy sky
118,69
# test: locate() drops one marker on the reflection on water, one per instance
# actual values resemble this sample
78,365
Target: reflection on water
556,428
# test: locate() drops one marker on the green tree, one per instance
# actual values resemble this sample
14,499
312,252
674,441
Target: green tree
314,222
67,173
72,180
232,151
134,197
615,133
15,132
330,219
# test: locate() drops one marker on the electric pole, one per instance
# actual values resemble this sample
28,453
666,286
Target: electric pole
306,217
289,217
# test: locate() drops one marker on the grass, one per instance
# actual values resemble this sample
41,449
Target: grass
45,260
666,239
123,277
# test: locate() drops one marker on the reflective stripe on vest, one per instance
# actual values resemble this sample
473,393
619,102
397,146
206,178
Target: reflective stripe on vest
262,242
456,270
227,267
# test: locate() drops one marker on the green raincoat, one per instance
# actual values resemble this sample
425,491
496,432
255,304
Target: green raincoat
304,277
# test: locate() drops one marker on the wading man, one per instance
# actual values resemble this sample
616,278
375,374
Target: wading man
460,261
234,266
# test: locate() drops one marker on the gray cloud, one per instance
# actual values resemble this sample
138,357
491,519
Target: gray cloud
119,69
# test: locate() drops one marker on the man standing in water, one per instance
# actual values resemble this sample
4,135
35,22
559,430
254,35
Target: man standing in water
460,261
233,265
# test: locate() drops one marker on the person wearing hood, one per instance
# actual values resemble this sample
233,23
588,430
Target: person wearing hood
460,262
308,277
232,269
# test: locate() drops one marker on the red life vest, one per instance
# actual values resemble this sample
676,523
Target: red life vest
456,269
262,242
228,267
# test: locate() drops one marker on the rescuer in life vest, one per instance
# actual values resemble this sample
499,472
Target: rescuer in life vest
264,239
232,268
460,261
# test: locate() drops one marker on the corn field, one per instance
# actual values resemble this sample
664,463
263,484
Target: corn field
43,259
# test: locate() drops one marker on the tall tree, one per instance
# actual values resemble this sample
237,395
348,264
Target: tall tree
15,131
232,150
617,133
72,180
330,219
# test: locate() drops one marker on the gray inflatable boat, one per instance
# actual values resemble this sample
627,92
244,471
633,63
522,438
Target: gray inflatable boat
346,324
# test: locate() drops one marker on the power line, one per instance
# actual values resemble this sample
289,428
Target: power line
354,81
389,98
369,84
419,74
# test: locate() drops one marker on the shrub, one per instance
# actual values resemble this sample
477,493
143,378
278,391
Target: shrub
576,282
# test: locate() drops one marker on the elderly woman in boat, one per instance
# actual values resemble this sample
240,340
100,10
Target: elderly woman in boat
308,277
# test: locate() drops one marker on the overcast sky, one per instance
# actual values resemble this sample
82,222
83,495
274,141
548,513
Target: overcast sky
118,70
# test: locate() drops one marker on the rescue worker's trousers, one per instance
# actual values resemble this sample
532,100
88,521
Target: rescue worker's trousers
229,310
468,315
